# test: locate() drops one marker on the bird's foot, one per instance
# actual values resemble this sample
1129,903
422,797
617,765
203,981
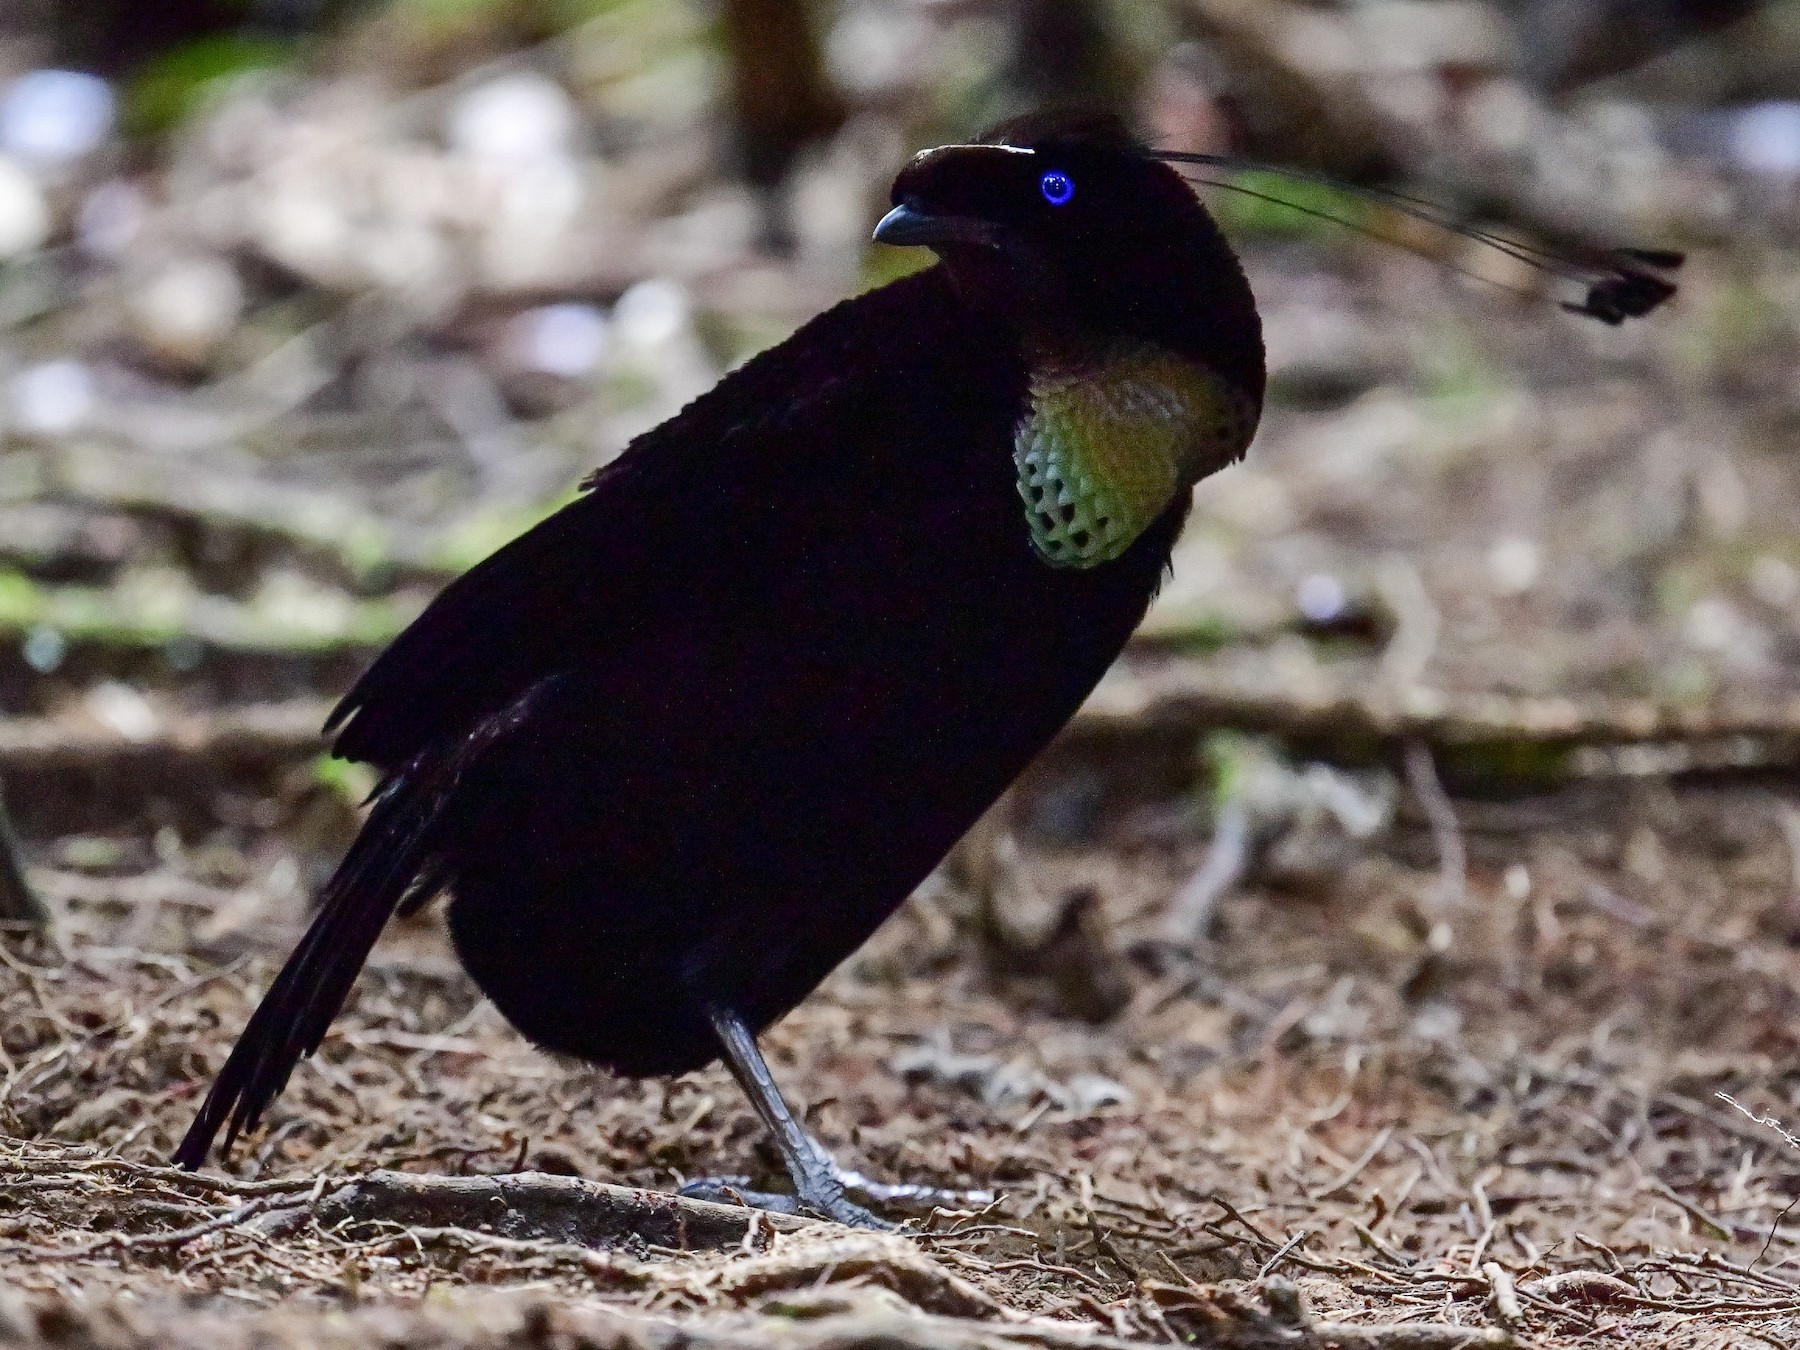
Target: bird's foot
911,1196
824,1202
820,1186
841,1195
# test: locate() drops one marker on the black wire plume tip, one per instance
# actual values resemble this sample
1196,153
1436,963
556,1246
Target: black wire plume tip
1620,283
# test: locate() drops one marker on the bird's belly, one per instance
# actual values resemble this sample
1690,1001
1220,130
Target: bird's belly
730,832
604,933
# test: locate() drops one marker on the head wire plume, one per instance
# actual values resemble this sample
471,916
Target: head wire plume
1621,283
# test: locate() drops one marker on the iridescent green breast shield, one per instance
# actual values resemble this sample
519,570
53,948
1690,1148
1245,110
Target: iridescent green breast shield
1105,445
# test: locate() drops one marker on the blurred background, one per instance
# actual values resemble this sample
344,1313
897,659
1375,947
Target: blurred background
306,305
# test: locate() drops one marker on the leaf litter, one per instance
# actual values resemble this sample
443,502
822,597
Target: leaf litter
1527,1143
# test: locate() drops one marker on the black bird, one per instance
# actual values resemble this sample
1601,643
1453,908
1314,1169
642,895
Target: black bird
677,751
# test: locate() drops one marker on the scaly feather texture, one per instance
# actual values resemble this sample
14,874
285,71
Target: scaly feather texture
1107,444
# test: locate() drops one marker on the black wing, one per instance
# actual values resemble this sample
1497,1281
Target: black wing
580,594
635,547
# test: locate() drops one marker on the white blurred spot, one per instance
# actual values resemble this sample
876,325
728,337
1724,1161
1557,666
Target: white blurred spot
111,217
1505,115
188,307
537,200
512,117
1775,581
1514,562
1320,597
567,340
54,116
1712,624
877,48
1439,1022
1517,881
308,233
1765,139
122,709
544,194
283,880
401,256
52,399
24,214
44,649
1090,1091
652,313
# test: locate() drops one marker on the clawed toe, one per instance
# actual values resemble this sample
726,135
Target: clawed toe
910,1197
830,1202
827,1202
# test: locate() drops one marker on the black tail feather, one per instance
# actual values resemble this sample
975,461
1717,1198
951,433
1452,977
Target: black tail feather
291,1021
393,865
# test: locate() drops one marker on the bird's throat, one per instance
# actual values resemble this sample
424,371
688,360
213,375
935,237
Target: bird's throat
1107,442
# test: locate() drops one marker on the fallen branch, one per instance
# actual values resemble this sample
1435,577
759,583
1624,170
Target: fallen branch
1406,1336
69,776
1507,1310
1446,833
528,1207
1144,707
1194,910
892,1263
109,1243
324,526
1501,736
249,734
40,1163
607,1270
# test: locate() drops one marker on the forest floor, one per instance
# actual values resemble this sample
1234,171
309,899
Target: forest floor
1501,1113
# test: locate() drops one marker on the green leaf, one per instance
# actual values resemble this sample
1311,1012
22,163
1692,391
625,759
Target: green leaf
175,85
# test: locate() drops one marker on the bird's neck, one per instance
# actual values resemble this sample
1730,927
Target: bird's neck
1110,435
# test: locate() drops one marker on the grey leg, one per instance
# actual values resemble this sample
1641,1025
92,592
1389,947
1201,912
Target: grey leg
817,1183
821,1186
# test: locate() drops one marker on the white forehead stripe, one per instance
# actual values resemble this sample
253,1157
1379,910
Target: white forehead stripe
982,145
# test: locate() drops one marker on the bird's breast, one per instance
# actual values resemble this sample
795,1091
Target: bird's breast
1106,443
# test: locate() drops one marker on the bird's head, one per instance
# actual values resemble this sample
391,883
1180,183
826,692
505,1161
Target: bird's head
1137,329
1064,225
1133,317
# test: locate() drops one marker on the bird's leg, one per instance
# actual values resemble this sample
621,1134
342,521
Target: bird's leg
818,1184
822,1186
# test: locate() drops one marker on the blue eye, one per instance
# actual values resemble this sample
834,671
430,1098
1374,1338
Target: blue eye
1057,187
